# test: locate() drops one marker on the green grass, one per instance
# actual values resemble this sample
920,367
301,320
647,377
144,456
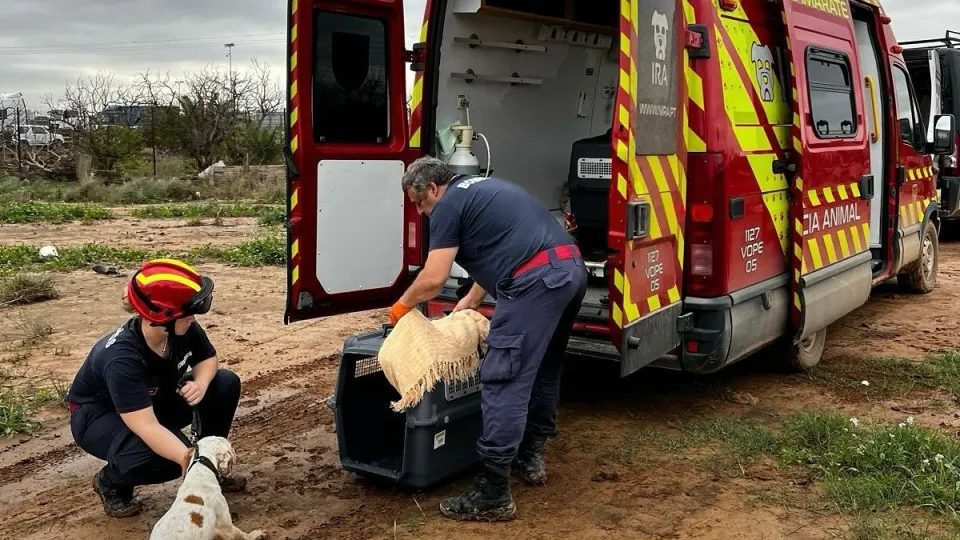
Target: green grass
268,250
263,251
207,210
31,212
894,377
864,469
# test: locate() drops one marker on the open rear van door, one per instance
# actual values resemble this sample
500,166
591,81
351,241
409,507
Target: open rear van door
831,184
352,235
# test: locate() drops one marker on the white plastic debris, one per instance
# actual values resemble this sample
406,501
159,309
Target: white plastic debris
49,251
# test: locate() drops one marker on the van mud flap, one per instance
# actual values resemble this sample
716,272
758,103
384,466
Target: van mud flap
832,292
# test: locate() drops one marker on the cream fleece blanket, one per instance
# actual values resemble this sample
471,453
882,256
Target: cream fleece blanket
419,352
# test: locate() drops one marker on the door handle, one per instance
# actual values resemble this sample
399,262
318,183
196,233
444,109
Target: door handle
871,86
866,187
638,219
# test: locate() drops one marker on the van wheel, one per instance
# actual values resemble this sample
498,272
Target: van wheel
921,277
804,355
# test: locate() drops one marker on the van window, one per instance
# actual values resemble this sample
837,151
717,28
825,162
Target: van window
831,94
908,115
350,97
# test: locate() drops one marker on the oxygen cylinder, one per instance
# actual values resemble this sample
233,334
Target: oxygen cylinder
463,160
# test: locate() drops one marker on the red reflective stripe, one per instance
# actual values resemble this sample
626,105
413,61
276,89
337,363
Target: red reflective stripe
543,257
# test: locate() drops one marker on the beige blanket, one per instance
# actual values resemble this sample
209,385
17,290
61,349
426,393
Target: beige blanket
419,352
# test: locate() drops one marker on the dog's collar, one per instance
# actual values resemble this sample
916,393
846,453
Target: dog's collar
205,461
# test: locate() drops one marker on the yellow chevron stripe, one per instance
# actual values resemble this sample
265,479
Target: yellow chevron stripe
293,6
855,189
294,199
866,232
799,184
796,300
618,279
911,174
293,89
855,236
293,61
831,250
295,275
625,44
623,116
294,143
415,138
625,81
828,194
293,33
653,303
622,185
617,315
814,199
814,253
798,226
695,87
294,114
622,151
630,310
842,190
673,294
844,247
294,248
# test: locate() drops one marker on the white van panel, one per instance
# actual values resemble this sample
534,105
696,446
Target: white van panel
359,224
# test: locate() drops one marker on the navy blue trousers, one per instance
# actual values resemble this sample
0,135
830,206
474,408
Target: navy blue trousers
130,462
520,373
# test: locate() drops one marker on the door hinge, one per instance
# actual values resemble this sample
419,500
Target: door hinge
417,57
697,42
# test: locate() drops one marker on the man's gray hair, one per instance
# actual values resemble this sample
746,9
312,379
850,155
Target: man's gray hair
425,170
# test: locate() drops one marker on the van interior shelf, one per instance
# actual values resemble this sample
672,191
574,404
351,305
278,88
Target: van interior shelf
474,41
584,15
514,78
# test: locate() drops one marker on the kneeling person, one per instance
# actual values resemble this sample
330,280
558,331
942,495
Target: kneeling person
126,404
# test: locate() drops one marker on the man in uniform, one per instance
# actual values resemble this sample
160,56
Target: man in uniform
516,251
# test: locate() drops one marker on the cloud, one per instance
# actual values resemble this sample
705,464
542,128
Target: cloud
46,45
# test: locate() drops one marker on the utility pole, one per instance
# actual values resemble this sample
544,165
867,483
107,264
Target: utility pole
229,47
19,155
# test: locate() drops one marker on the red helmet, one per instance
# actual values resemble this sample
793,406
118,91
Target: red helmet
164,290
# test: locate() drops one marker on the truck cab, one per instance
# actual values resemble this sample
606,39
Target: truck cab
934,66
737,173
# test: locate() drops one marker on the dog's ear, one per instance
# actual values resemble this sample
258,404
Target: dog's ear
226,456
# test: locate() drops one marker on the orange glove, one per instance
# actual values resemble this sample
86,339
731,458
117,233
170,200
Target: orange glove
398,310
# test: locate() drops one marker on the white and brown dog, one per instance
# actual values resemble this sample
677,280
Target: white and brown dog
200,511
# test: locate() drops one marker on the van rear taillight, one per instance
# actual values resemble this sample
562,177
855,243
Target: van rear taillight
701,260
705,176
701,213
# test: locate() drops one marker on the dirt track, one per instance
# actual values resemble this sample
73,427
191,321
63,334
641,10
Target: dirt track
286,441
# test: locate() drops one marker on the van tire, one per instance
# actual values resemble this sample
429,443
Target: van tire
921,276
799,357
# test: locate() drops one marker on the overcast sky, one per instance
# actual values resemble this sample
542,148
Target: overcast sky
46,44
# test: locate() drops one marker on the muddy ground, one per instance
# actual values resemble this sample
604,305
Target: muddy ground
286,438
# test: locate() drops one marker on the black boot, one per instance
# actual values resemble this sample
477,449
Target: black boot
488,500
117,501
529,464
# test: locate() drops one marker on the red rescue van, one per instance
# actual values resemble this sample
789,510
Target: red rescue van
741,172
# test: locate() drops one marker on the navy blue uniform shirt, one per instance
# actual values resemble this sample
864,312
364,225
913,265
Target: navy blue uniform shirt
123,374
496,224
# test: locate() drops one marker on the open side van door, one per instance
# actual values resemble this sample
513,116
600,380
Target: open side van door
936,91
648,196
352,234
831,270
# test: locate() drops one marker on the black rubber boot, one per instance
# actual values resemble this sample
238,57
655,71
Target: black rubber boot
488,500
529,464
233,484
117,501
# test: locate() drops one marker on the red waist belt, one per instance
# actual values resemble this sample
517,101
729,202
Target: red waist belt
72,406
543,257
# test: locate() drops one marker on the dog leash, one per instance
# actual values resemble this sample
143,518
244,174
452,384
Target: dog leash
195,422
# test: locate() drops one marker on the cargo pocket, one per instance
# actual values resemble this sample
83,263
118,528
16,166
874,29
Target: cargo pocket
504,355
557,279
